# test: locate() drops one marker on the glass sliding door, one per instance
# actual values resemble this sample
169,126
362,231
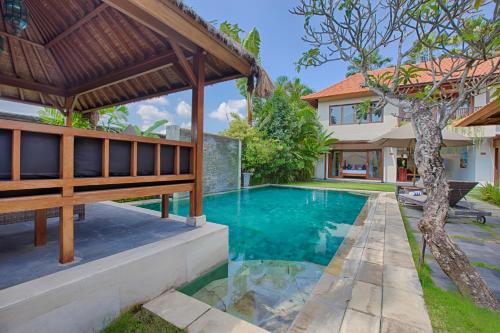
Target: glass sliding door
336,157
354,164
375,164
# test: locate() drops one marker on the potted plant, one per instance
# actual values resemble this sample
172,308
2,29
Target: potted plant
245,178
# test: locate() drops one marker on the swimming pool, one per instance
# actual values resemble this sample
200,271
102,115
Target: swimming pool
280,239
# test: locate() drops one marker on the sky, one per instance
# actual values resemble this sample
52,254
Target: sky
281,47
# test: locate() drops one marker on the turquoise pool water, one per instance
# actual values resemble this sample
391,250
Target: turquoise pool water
280,239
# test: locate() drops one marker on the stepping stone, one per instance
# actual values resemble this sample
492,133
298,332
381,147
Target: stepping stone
177,308
405,307
373,256
394,326
370,273
366,297
216,321
359,322
402,278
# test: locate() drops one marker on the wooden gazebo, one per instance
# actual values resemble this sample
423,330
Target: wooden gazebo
84,55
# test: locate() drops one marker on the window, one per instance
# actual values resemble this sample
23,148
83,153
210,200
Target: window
346,114
335,115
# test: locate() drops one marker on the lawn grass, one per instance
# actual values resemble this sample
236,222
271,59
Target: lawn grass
139,320
486,265
448,310
349,185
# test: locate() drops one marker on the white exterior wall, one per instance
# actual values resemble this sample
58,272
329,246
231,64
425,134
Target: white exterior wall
356,131
319,171
390,166
480,166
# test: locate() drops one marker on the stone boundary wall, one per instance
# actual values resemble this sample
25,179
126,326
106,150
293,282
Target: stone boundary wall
222,159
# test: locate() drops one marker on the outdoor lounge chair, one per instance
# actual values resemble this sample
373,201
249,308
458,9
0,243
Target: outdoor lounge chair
458,191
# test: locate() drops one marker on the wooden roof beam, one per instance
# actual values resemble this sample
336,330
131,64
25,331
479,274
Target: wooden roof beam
77,25
126,73
164,91
21,40
181,57
169,21
130,10
31,85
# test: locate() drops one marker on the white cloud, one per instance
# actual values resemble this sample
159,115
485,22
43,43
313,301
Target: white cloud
149,114
162,100
186,125
183,109
225,109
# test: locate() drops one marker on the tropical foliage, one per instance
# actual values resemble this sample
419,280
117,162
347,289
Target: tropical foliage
251,43
55,117
286,140
113,119
149,132
376,61
490,192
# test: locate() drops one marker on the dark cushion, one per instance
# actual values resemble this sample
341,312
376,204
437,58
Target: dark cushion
119,158
185,159
145,159
5,154
167,157
88,157
39,155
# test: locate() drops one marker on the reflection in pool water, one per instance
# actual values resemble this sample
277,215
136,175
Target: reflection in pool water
279,241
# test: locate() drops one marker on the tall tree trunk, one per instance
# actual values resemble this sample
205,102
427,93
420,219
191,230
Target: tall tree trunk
448,255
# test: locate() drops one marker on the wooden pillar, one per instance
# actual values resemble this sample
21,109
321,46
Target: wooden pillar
40,227
66,218
133,159
164,205
16,155
66,235
197,132
69,106
105,158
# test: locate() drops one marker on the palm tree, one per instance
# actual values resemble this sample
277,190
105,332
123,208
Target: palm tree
376,61
251,43
149,132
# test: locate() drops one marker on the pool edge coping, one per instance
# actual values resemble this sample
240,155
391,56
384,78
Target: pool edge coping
317,188
332,273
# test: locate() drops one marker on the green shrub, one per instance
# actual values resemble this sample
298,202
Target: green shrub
490,192
286,140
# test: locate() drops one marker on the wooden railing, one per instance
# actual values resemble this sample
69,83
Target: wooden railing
123,166
464,112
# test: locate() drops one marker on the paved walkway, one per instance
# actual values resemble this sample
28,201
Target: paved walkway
371,285
481,244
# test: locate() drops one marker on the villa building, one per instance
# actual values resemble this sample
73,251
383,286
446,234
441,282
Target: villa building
354,156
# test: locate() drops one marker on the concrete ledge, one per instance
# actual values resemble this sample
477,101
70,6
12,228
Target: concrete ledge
87,297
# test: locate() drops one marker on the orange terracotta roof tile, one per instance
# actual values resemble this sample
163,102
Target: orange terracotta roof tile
352,86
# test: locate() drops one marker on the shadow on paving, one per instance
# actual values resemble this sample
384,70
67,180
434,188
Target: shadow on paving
107,230
481,244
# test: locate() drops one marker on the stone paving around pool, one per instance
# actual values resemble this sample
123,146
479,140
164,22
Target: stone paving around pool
371,285
481,244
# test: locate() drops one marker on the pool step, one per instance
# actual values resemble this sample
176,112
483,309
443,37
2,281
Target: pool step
188,313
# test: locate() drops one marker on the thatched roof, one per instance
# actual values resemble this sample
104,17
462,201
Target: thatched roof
113,52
